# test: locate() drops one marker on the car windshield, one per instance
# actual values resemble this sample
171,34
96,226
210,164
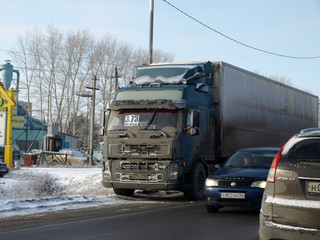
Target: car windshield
251,159
145,119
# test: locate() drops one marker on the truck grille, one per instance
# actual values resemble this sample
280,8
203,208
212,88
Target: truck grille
139,177
148,150
154,166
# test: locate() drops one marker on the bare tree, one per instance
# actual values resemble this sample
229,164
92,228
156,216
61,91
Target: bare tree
76,71
25,61
281,79
56,66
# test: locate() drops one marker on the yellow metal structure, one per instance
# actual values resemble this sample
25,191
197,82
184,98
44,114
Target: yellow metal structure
9,102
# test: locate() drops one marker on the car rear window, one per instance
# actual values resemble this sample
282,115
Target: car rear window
305,150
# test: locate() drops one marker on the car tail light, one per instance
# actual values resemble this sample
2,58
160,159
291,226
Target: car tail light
274,165
273,168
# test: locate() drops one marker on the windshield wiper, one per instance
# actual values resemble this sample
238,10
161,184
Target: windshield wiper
162,134
249,167
126,135
231,166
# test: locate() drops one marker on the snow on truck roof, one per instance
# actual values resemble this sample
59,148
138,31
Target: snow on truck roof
173,73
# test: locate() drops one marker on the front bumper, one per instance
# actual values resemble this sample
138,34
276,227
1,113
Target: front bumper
253,197
141,185
4,171
142,174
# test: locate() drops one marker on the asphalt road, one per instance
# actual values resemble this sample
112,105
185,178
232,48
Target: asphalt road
158,220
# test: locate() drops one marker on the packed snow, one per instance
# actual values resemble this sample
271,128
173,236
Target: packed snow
294,202
36,190
290,228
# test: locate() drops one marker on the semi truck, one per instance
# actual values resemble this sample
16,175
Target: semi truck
168,128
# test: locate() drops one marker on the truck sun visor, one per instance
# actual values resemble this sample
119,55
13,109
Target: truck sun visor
170,73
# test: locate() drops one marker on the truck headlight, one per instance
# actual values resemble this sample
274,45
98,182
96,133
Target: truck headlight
259,184
173,171
211,182
106,169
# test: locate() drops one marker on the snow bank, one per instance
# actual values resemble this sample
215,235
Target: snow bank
34,190
294,202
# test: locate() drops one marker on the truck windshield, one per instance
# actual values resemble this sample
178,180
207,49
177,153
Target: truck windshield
145,119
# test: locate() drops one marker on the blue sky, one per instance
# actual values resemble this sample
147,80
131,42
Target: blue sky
287,27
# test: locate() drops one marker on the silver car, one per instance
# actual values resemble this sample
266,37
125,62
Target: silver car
291,202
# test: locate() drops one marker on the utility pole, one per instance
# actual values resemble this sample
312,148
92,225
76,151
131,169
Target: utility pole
151,32
116,84
86,95
116,77
93,99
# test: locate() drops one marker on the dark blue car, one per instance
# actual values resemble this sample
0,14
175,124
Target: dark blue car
240,182
3,169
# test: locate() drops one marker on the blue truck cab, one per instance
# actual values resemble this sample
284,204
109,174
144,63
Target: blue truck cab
158,130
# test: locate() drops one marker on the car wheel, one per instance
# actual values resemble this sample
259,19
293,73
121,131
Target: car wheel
123,192
198,179
212,208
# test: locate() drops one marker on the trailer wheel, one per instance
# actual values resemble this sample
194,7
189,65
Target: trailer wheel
198,178
123,192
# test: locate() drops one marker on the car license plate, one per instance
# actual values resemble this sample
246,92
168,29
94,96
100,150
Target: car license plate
3,170
233,195
314,188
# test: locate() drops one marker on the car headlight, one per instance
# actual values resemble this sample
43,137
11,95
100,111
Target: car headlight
211,182
259,184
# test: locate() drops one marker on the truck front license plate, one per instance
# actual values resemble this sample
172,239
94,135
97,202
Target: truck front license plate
139,176
233,195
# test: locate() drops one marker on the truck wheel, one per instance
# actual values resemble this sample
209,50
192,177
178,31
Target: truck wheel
212,208
123,192
198,178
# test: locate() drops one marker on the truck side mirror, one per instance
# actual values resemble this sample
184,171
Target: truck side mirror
193,126
194,131
102,122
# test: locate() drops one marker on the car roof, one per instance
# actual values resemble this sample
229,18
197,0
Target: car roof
258,149
309,132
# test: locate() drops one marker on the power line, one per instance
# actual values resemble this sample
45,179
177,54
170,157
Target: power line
234,40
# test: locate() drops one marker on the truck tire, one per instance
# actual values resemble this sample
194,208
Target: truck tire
197,179
123,192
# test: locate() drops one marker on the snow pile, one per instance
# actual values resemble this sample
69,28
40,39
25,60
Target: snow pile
294,202
35,190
